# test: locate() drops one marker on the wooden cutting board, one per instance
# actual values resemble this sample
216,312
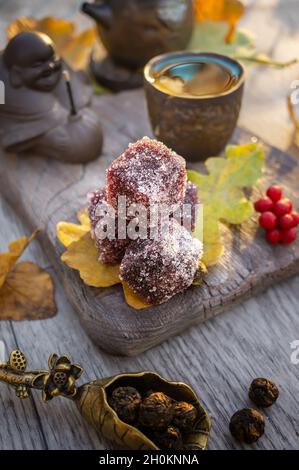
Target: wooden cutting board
45,192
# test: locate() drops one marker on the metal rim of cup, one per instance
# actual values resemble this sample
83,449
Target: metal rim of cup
191,55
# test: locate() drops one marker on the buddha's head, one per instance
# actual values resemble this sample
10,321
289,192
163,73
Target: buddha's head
32,62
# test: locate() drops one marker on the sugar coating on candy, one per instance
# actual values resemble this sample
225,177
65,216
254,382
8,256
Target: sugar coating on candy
191,197
147,172
110,251
160,268
95,198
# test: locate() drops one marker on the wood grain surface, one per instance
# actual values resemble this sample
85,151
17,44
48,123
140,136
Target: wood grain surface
219,358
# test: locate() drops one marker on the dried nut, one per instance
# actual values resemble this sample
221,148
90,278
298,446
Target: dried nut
126,401
263,392
170,438
184,415
247,425
156,411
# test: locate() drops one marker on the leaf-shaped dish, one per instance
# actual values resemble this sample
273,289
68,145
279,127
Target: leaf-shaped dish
93,404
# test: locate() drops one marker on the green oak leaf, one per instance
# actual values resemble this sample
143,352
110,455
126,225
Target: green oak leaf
221,191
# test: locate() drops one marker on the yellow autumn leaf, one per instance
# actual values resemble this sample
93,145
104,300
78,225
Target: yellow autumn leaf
229,11
68,232
132,299
83,217
82,255
221,193
26,290
208,9
74,47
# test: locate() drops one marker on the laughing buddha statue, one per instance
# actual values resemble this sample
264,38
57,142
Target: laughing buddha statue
48,106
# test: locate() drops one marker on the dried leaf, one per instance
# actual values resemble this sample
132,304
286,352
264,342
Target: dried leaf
74,47
221,193
26,291
9,259
132,299
208,9
82,255
27,294
229,11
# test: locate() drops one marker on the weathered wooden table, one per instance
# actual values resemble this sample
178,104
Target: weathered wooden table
219,358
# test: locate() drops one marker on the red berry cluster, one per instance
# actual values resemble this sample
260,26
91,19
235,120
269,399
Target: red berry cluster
277,217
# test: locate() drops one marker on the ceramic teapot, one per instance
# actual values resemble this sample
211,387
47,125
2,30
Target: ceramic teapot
141,29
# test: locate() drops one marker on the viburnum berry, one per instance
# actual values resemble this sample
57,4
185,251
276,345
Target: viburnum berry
274,193
288,236
264,204
268,220
295,216
277,217
282,207
273,236
287,221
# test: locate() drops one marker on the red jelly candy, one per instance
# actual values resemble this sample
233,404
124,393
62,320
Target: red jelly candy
110,251
95,198
160,268
147,172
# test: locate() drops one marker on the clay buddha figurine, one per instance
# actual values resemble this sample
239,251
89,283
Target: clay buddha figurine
135,32
48,106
